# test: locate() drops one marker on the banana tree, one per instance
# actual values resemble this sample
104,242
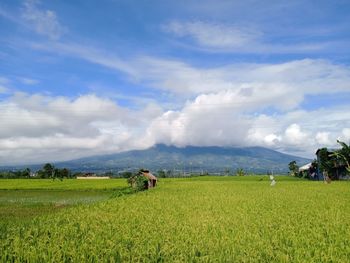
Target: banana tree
343,154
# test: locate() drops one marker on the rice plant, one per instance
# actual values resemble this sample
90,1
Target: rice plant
203,219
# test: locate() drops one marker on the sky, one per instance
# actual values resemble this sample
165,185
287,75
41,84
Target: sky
82,78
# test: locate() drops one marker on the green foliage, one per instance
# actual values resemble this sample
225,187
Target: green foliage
141,183
110,174
227,171
162,174
326,163
138,182
330,162
25,173
49,171
200,219
126,175
293,168
343,155
240,172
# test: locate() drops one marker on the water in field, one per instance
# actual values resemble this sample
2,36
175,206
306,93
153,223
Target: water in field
25,204
23,199
27,197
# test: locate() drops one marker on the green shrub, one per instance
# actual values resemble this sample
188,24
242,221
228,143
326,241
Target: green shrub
138,182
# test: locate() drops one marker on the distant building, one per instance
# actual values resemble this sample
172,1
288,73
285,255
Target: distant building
308,170
93,177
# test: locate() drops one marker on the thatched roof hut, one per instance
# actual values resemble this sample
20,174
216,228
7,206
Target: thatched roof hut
152,180
143,180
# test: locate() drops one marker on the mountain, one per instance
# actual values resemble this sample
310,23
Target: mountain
190,158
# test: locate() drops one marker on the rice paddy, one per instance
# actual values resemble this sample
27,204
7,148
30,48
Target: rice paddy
202,219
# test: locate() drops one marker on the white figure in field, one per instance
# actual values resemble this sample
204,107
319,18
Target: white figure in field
272,179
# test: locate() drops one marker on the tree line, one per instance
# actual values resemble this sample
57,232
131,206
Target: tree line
48,171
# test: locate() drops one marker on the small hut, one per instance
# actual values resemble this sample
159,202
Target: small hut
308,170
152,180
143,180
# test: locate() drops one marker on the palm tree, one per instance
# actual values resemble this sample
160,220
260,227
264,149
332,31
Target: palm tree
343,155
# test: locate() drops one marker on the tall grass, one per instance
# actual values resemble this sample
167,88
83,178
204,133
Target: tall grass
66,184
195,220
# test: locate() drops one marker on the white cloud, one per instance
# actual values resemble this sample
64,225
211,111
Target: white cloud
219,106
322,138
283,85
294,135
272,139
88,53
42,128
221,37
66,128
301,132
249,86
205,121
345,135
212,34
43,22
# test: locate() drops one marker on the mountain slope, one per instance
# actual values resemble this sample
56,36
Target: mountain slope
190,158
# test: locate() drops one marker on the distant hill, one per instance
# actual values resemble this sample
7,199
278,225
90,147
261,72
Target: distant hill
190,158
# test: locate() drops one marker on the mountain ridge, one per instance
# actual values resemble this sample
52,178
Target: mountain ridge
195,159
189,159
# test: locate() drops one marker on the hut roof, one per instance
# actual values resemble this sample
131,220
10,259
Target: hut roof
305,167
149,175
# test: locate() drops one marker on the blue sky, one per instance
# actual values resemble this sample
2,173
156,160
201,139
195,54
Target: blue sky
79,78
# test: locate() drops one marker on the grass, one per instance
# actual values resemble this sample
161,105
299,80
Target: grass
202,219
23,199
21,205
67,184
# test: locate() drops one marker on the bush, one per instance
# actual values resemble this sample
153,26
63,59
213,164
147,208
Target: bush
138,182
240,172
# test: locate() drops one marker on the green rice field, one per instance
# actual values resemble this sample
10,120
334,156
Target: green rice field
23,199
67,184
200,219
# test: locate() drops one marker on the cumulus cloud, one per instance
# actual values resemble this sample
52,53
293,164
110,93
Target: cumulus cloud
294,135
66,128
209,120
322,138
291,79
345,134
42,128
43,22
200,123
